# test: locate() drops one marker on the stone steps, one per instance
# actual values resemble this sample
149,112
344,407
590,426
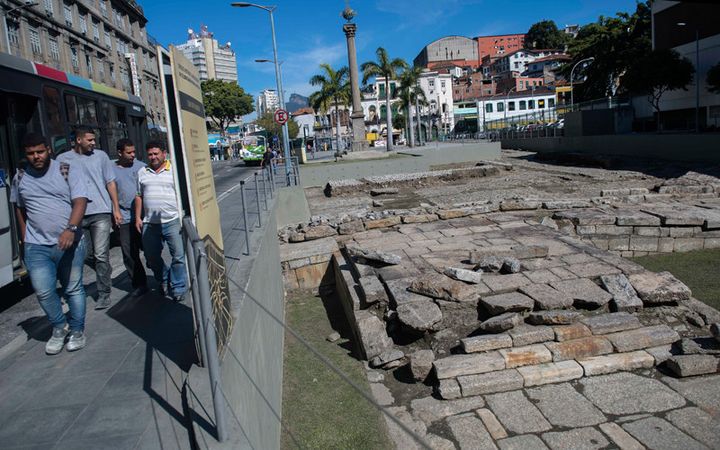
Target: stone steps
597,345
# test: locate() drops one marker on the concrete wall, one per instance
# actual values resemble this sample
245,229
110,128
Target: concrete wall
671,147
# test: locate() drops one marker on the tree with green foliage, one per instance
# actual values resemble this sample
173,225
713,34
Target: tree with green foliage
334,91
267,121
545,34
656,73
713,79
225,102
408,92
388,69
615,43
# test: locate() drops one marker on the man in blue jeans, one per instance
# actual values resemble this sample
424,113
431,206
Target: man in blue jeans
161,221
50,199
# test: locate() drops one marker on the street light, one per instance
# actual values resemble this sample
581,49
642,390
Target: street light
697,76
572,89
6,15
278,80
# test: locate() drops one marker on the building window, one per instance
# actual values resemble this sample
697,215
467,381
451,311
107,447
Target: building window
531,104
74,58
13,32
67,11
541,103
101,71
511,106
34,40
103,8
500,107
108,40
551,103
54,49
523,105
112,72
488,107
88,62
431,83
442,84
517,64
96,31
83,24
49,8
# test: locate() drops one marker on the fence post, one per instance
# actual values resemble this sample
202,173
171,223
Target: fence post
257,199
265,191
271,180
211,342
197,311
245,221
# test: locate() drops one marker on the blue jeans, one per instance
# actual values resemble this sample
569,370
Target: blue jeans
153,236
47,265
97,228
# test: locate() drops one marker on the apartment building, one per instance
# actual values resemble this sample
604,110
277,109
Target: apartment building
214,61
267,101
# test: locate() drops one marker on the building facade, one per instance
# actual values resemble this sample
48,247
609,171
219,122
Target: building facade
449,51
213,61
267,101
534,104
105,41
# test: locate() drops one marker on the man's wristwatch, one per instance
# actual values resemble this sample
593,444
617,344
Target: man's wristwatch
72,228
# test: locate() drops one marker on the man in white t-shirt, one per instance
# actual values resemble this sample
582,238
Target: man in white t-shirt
161,222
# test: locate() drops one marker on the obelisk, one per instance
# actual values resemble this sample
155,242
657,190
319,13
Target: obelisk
357,116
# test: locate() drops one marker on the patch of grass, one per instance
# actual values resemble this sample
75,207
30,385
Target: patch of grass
699,270
319,408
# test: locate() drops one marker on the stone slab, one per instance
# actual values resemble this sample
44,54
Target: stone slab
381,394
506,283
470,432
449,389
553,317
373,337
570,332
611,323
547,297
399,293
510,302
620,437
641,338
698,424
492,424
624,296
419,316
491,382
584,292
550,373
660,287
660,434
516,413
372,290
526,355
468,276
531,334
626,393
692,365
703,391
430,409
501,323
579,348
593,270
421,364
633,217
617,362
457,365
563,406
577,439
486,342
522,442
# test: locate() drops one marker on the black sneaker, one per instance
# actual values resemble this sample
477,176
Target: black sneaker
179,298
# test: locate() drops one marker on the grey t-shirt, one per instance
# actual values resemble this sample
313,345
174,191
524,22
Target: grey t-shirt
98,173
126,179
47,199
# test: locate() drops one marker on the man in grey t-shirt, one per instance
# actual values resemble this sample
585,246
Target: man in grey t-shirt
102,208
50,199
126,175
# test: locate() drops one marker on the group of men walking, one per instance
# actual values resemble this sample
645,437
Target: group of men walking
67,208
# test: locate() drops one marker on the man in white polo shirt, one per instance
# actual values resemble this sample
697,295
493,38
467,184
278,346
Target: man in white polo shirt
161,221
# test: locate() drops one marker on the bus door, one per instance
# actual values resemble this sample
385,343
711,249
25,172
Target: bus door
18,115
138,134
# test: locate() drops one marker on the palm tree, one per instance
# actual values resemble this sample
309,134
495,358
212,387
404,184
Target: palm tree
387,69
409,91
334,90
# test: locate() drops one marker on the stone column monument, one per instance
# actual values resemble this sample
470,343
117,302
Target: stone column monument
357,116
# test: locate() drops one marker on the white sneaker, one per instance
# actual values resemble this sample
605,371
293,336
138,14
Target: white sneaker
76,341
56,342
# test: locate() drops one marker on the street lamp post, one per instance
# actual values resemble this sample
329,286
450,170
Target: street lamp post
278,80
572,89
6,15
697,76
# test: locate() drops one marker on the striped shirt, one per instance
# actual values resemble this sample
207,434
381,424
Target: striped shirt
157,190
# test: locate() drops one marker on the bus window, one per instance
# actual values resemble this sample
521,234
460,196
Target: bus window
87,112
71,109
55,128
114,125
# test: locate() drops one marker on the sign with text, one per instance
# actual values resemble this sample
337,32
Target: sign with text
200,184
281,116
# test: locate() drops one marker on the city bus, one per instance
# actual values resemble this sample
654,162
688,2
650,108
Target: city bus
38,98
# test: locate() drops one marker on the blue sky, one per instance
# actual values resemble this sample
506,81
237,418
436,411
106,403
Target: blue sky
309,32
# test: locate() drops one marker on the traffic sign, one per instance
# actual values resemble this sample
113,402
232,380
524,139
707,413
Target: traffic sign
281,117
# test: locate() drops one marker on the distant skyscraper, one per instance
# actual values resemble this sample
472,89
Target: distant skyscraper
213,61
267,101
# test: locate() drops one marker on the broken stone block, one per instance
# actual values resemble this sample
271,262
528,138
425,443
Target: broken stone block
660,287
439,286
419,316
486,342
691,365
446,214
296,236
373,337
526,335
505,283
384,191
548,222
419,218
457,365
319,232
611,322
501,323
546,297
570,332
579,348
585,293
661,353
510,265
488,263
490,383
386,357
421,364
502,303
372,290
333,337
624,297
526,355
465,275
617,362
373,255
641,338
456,313
553,317
352,227
382,223
519,204
449,389
550,373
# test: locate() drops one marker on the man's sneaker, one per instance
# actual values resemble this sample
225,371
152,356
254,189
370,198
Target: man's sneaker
56,342
179,298
139,292
103,303
76,341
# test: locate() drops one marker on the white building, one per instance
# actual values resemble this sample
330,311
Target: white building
267,100
213,61
518,60
531,103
